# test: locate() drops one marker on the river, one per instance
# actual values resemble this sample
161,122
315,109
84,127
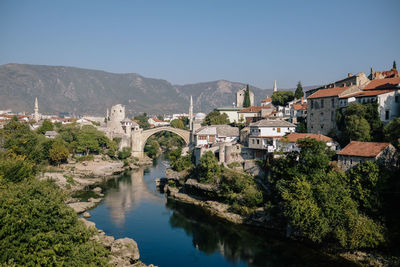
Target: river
172,234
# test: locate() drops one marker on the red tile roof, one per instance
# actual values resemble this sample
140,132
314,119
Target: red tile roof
367,93
293,137
300,106
363,149
156,120
267,100
328,92
252,109
382,83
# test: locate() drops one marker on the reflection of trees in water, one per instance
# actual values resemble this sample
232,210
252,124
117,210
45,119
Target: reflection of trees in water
127,194
239,243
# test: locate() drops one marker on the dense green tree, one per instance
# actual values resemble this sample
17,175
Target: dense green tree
392,132
216,118
246,100
15,168
316,199
58,153
357,128
143,121
152,148
47,125
208,168
281,98
124,153
38,229
299,91
177,123
394,65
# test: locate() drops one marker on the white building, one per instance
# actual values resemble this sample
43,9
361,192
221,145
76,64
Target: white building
155,122
288,143
265,133
208,135
231,112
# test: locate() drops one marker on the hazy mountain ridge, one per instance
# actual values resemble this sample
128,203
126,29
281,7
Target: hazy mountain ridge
85,91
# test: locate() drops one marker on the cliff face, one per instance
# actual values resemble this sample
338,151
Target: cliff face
84,91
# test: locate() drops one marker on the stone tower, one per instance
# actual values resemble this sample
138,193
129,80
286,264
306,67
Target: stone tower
36,116
117,115
240,98
275,87
191,114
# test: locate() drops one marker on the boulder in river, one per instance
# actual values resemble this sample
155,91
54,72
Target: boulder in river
124,252
86,214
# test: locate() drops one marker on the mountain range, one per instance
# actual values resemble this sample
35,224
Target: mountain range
91,92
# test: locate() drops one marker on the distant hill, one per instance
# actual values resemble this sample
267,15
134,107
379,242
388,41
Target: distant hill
85,91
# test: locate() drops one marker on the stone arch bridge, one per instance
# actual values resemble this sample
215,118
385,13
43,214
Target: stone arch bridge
140,137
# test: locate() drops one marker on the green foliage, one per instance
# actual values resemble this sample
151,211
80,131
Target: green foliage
46,126
394,65
95,123
38,229
124,154
246,100
216,118
58,153
301,125
152,148
15,169
392,132
317,199
299,91
143,121
182,163
357,128
281,98
368,182
177,123
208,169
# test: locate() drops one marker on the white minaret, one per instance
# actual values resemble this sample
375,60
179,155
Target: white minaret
191,114
275,88
36,111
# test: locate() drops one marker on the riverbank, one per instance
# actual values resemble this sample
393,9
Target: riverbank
191,192
78,176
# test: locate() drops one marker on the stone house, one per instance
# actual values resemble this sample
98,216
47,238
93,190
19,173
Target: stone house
288,143
358,152
208,136
50,134
250,114
266,102
265,133
322,107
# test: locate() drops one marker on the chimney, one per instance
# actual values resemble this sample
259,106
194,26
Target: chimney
349,74
301,100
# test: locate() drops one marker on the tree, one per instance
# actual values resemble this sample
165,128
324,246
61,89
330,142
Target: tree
16,169
246,100
143,121
394,65
357,128
281,98
392,132
124,154
299,91
177,123
316,198
38,229
216,118
208,168
46,126
58,153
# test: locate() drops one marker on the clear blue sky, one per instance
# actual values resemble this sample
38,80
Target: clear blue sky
187,41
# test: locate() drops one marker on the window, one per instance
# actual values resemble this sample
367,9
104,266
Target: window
322,103
253,141
202,137
351,161
312,117
322,126
333,102
312,103
387,114
278,130
258,141
321,118
396,99
332,116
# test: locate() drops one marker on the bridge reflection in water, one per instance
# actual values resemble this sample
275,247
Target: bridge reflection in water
127,194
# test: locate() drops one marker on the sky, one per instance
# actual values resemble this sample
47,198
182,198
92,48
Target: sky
190,41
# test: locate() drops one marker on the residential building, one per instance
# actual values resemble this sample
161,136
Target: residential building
50,134
231,112
264,133
322,107
266,102
209,135
288,143
298,111
250,114
358,152
155,122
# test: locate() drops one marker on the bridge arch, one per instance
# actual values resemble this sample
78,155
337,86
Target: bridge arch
139,139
